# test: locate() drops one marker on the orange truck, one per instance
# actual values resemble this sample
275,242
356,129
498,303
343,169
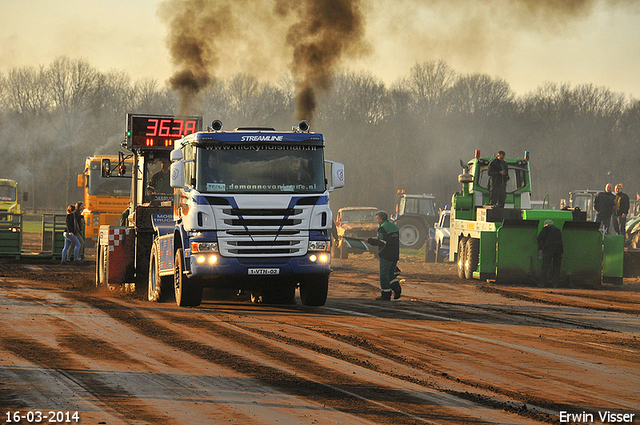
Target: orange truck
105,198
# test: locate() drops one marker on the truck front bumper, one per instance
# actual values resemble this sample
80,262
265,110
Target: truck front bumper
212,264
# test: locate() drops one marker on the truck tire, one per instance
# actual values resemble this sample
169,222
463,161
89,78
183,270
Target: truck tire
188,291
412,233
472,254
429,256
438,258
344,250
462,247
159,286
314,290
102,267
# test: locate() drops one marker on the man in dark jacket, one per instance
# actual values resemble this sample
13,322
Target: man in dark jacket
550,242
498,177
388,243
604,207
620,210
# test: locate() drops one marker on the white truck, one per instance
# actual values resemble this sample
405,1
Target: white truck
250,212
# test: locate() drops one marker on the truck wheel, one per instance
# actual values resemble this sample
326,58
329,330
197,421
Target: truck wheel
99,271
438,258
158,286
102,267
429,256
188,291
314,290
472,256
462,247
344,251
412,234
335,251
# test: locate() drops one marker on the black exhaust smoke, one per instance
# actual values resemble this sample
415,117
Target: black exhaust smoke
317,34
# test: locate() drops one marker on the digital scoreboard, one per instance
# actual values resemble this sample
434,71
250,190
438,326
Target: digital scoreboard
159,131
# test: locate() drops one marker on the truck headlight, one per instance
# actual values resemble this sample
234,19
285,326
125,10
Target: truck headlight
318,245
204,247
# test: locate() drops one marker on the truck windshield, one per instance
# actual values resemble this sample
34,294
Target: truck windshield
108,186
260,169
421,206
7,193
517,178
355,216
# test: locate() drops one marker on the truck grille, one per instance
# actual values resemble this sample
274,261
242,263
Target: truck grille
263,232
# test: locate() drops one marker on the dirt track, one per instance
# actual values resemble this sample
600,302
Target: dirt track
448,352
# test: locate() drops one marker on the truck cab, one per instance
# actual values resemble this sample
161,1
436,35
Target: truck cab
251,213
9,202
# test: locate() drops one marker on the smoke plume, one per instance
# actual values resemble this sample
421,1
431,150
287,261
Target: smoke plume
209,38
325,32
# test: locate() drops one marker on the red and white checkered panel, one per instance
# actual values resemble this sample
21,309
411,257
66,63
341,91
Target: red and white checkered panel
116,236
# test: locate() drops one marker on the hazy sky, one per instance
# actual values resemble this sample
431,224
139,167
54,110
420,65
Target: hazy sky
594,41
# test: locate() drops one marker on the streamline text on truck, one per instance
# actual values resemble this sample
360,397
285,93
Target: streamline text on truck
250,212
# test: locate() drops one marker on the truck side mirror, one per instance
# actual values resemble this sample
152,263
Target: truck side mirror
80,180
25,197
106,167
337,175
177,174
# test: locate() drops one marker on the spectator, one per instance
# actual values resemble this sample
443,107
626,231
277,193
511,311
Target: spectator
604,207
70,237
80,227
620,210
550,242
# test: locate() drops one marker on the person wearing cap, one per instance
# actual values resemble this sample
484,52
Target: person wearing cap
498,176
620,210
388,243
550,242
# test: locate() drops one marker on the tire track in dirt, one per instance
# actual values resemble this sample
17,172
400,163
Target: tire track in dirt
381,404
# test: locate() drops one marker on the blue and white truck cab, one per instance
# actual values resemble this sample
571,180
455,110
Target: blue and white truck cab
250,212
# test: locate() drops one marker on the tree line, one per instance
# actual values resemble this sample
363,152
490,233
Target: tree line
410,135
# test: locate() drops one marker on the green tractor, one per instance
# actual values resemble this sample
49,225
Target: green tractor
500,243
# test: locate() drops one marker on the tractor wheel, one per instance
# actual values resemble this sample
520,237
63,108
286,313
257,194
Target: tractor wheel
462,248
188,291
158,286
472,254
314,289
412,233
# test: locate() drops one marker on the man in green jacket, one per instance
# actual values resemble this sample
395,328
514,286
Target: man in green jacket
388,243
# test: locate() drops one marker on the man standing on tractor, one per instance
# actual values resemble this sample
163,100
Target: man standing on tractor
620,210
388,243
604,207
498,177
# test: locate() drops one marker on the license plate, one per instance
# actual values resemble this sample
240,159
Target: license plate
269,272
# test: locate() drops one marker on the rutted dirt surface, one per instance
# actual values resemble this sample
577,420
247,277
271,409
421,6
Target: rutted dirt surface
448,352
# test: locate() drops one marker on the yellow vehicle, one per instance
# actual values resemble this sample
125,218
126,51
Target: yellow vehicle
9,197
105,198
